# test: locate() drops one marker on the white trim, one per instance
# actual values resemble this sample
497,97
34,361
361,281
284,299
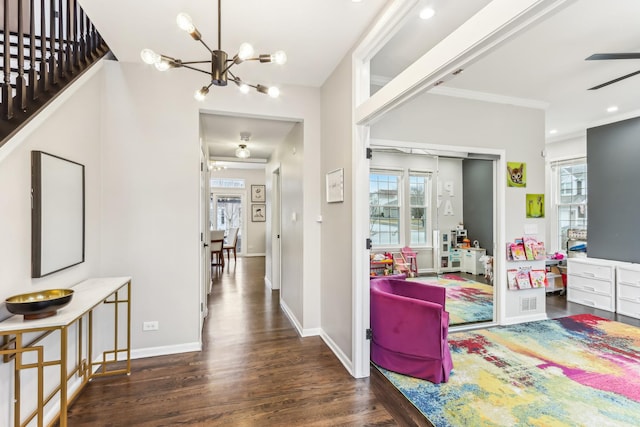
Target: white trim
338,352
492,25
312,332
489,97
524,319
475,95
44,115
142,353
360,348
268,283
251,255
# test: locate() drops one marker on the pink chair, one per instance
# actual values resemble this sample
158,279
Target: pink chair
410,327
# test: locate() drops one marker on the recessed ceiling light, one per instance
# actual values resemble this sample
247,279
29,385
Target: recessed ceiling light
612,109
553,131
427,13
356,1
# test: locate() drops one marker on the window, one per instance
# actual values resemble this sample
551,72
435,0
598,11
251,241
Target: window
571,197
419,185
227,183
388,217
384,207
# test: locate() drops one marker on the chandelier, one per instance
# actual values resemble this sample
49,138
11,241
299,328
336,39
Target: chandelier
220,64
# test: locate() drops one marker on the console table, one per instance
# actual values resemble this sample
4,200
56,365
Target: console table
22,343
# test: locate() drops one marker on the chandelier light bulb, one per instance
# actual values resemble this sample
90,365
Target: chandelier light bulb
245,51
149,57
244,88
280,57
201,93
273,92
185,23
162,65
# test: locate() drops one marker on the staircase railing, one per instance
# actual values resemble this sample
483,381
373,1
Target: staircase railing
45,45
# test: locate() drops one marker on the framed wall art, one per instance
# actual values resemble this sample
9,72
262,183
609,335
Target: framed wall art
258,213
335,186
257,193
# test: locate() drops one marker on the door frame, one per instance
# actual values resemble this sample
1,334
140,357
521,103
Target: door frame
242,194
276,230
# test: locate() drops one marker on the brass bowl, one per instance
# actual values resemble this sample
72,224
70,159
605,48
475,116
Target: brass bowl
38,305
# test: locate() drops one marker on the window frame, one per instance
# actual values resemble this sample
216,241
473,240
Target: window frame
404,207
399,173
560,240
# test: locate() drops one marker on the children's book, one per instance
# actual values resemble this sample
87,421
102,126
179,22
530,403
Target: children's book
538,278
522,279
517,252
511,279
539,252
529,243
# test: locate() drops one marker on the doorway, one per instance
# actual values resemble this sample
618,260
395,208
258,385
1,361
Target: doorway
227,211
432,215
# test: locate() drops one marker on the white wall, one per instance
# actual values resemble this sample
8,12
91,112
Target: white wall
289,157
151,191
69,128
253,239
336,240
441,120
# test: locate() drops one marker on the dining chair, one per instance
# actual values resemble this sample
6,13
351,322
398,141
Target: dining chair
231,242
217,243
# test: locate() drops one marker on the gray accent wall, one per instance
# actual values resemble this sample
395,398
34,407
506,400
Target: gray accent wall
613,165
477,185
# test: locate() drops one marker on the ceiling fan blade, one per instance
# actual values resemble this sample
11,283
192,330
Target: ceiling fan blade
602,56
615,80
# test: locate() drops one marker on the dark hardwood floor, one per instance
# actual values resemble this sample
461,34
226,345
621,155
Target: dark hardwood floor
254,371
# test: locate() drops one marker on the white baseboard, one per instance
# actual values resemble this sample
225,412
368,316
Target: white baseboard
524,319
165,350
346,362
268,283
253,255
309,332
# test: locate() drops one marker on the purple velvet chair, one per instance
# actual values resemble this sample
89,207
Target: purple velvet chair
410,328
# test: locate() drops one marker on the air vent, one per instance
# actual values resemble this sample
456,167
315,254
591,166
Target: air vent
528,304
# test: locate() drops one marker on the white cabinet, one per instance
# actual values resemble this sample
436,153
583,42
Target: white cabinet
471,260
628,290
591,282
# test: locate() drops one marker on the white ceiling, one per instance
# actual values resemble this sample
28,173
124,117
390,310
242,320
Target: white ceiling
315,34
543,66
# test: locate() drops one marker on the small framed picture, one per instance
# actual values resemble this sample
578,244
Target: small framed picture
258,213
257,193
335,186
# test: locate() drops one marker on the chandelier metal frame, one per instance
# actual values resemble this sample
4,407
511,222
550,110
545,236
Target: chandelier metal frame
220,72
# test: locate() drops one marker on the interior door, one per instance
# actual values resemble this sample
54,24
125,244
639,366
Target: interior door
205,265
276,246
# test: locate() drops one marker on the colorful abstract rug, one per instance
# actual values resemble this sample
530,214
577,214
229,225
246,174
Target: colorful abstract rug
468,301
580,370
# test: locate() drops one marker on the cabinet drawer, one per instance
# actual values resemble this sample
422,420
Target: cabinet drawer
629,308
584,269
627,275
590,299
590,285
628,292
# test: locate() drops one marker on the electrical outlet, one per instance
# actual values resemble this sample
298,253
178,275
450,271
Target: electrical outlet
150,326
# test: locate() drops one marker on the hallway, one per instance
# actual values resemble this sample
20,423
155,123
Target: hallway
254,371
